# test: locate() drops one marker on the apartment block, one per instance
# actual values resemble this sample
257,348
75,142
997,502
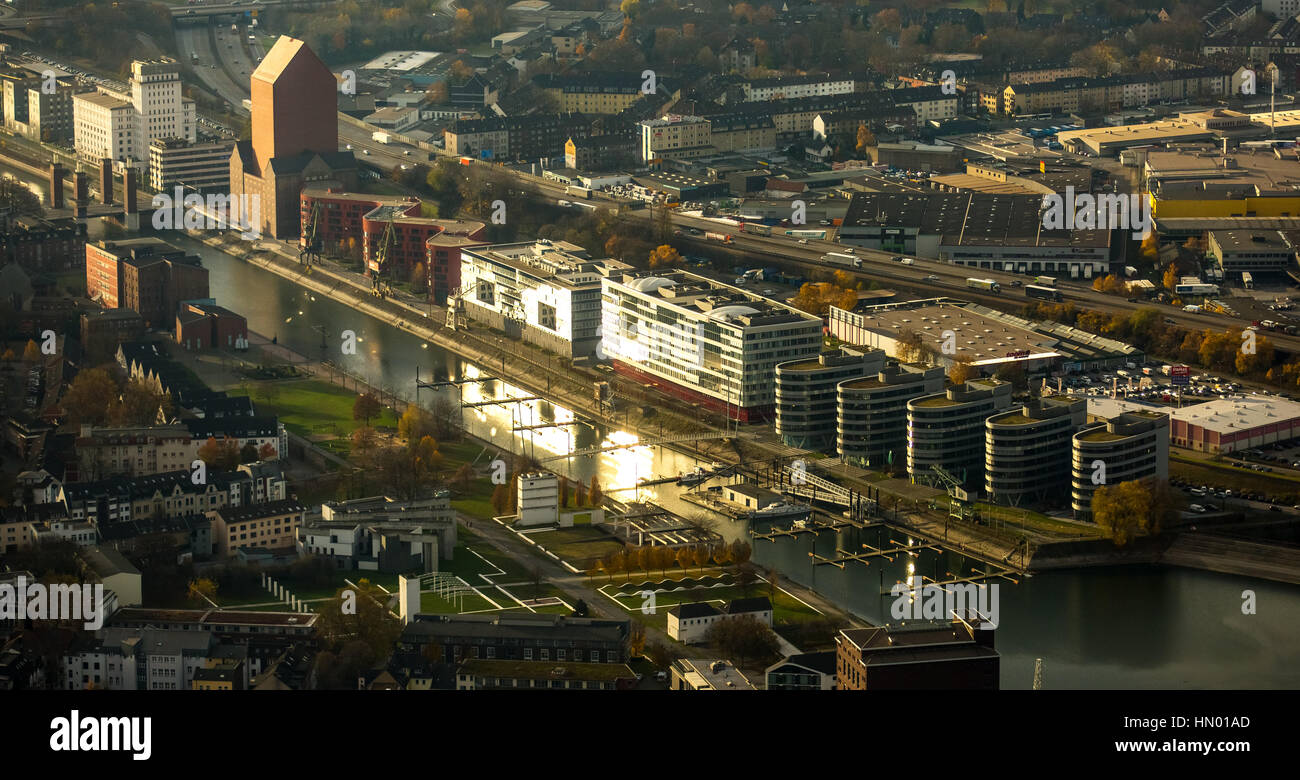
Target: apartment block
517,637
146,275
270,526
675,136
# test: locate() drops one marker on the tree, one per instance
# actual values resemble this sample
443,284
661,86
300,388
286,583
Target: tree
1119,509
437,93
365,619
1170,278
635,639
220,454
248,453
962,369
363,439
266,452
17,199
684,557
32,353
138,404
202,590
740,552
664,256
500,499
564,492
817,298
366,407
414,424
865,139
700,554
743,639
89,396
595,495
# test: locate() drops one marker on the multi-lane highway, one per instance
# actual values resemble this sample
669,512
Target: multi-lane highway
212,68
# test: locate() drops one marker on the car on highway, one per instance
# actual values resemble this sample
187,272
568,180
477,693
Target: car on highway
365,151
349,147
897,258
932,278
848,250
1015,283
407,152
803,240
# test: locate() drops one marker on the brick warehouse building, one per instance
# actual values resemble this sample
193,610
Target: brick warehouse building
295,136
201,326
416,239
146,275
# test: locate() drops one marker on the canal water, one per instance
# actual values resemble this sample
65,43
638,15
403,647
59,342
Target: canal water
1117,628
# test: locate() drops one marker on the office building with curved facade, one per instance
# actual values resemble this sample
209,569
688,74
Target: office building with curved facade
872,413
947,429
1027,451
1130,446
806,395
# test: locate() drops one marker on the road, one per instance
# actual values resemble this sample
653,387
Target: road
210,68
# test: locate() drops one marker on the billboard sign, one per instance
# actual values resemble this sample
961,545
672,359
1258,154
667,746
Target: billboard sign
1180,376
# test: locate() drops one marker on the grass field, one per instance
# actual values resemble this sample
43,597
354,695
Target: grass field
476,500
469,566
310,406
1035,521
434,604
581,546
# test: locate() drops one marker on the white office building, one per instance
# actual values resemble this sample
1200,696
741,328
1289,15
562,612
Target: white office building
544,292
703,341
121,125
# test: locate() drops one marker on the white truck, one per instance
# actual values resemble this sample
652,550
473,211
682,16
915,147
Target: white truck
381,137
839,258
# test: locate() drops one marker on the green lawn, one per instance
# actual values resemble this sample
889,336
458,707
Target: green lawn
1034,521
581,546
531,591
309,407
468,565
476,500
432,603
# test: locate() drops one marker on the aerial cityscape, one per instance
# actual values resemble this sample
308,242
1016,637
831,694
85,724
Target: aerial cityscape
649,345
